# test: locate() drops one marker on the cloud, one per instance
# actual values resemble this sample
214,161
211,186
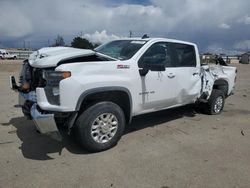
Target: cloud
224,26
218,49
243,45
200,21
13,22
100,37
245,19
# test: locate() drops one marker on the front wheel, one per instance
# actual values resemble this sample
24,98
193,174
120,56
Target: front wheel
215,103
100,127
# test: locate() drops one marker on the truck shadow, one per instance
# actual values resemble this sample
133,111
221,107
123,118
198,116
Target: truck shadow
38,147
160,117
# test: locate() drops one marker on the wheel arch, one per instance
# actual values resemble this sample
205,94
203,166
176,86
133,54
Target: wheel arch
221,84
119,95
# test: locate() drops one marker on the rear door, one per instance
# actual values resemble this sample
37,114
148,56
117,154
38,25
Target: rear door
187,72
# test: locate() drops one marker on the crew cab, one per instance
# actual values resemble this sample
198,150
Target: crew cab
95,93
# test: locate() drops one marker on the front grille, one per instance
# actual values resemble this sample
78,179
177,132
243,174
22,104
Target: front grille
25,74
34,78
37,79
31,76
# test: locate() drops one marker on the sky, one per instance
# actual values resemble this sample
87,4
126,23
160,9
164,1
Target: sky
217,26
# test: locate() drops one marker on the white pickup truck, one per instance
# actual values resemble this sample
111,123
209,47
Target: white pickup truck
6,55
96,93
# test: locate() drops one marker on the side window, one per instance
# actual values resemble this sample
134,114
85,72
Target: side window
157,54
184,55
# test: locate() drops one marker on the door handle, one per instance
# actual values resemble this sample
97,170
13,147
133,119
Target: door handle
196,73
171,75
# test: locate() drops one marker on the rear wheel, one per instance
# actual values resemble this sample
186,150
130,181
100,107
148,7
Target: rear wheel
100,127
215,103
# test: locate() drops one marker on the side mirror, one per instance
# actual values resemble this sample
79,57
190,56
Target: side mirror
155,67
150,67
143,72
151,64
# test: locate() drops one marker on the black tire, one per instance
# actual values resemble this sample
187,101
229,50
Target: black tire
83,126
210,107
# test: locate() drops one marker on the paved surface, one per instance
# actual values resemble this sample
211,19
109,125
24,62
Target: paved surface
172,148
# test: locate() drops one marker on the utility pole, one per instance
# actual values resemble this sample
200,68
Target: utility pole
24,45
130,34
48,43
81,34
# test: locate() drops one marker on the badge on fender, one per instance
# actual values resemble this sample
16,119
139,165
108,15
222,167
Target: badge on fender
123,66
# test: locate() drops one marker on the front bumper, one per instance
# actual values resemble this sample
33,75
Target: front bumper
22,97
45,123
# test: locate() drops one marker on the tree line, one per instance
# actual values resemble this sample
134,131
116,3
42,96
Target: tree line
77,42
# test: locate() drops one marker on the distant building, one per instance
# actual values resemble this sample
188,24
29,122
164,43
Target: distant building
245,58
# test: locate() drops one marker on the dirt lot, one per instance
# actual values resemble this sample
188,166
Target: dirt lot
168,149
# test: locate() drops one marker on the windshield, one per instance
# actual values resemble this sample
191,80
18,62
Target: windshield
121,49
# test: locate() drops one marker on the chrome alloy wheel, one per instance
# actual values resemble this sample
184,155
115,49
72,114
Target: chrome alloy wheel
104,127
218,104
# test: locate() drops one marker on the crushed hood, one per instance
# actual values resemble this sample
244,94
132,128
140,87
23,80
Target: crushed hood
51,56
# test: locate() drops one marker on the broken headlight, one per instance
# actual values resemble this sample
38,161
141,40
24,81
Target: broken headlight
53,79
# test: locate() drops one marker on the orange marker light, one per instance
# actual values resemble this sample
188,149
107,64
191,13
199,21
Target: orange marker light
66,74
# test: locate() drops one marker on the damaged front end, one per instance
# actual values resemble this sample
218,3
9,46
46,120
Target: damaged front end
39,91
30,79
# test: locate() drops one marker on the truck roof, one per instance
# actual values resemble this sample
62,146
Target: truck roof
158,40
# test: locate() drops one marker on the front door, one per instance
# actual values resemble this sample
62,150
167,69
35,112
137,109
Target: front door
158,88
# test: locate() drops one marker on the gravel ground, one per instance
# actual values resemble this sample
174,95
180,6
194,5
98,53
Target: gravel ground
168,149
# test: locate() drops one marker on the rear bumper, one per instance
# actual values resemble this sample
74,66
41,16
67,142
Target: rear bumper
45,123
232,91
